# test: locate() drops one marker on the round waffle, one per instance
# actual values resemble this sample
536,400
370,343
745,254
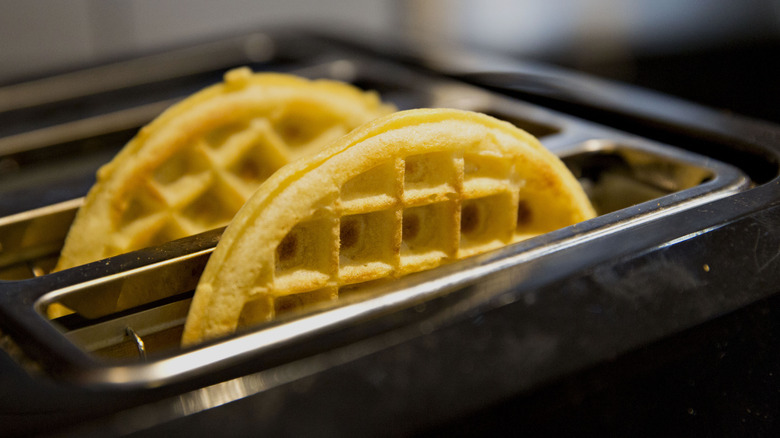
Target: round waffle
404,193
193,167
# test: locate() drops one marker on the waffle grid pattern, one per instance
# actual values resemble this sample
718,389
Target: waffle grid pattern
201,186
406,215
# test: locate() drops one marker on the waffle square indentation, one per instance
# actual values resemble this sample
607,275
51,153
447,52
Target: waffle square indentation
187,161
431,176
537,214
368,245
301,125
151,230
486,223
142,204
214,207
484,174
305,256
218,136
256,159
429,234
373,189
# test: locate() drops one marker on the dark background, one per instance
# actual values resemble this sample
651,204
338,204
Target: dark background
742,77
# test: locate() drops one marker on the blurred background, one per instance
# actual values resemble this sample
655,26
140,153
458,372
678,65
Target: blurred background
721,53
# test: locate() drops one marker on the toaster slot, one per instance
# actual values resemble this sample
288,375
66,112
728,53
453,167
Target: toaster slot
616,176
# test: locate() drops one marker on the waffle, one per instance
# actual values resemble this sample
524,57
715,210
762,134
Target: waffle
404,193
193,167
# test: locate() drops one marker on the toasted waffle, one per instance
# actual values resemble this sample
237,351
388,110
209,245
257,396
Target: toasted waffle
193,167
401,194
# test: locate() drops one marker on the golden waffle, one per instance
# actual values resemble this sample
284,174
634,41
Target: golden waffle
404,193
193,167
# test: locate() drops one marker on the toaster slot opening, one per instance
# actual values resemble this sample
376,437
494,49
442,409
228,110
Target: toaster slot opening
617,176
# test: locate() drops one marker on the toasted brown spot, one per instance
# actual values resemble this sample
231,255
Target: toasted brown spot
349,233
524,214
412,170
287,304
411,226
469,218
292,132
249,170
287,248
